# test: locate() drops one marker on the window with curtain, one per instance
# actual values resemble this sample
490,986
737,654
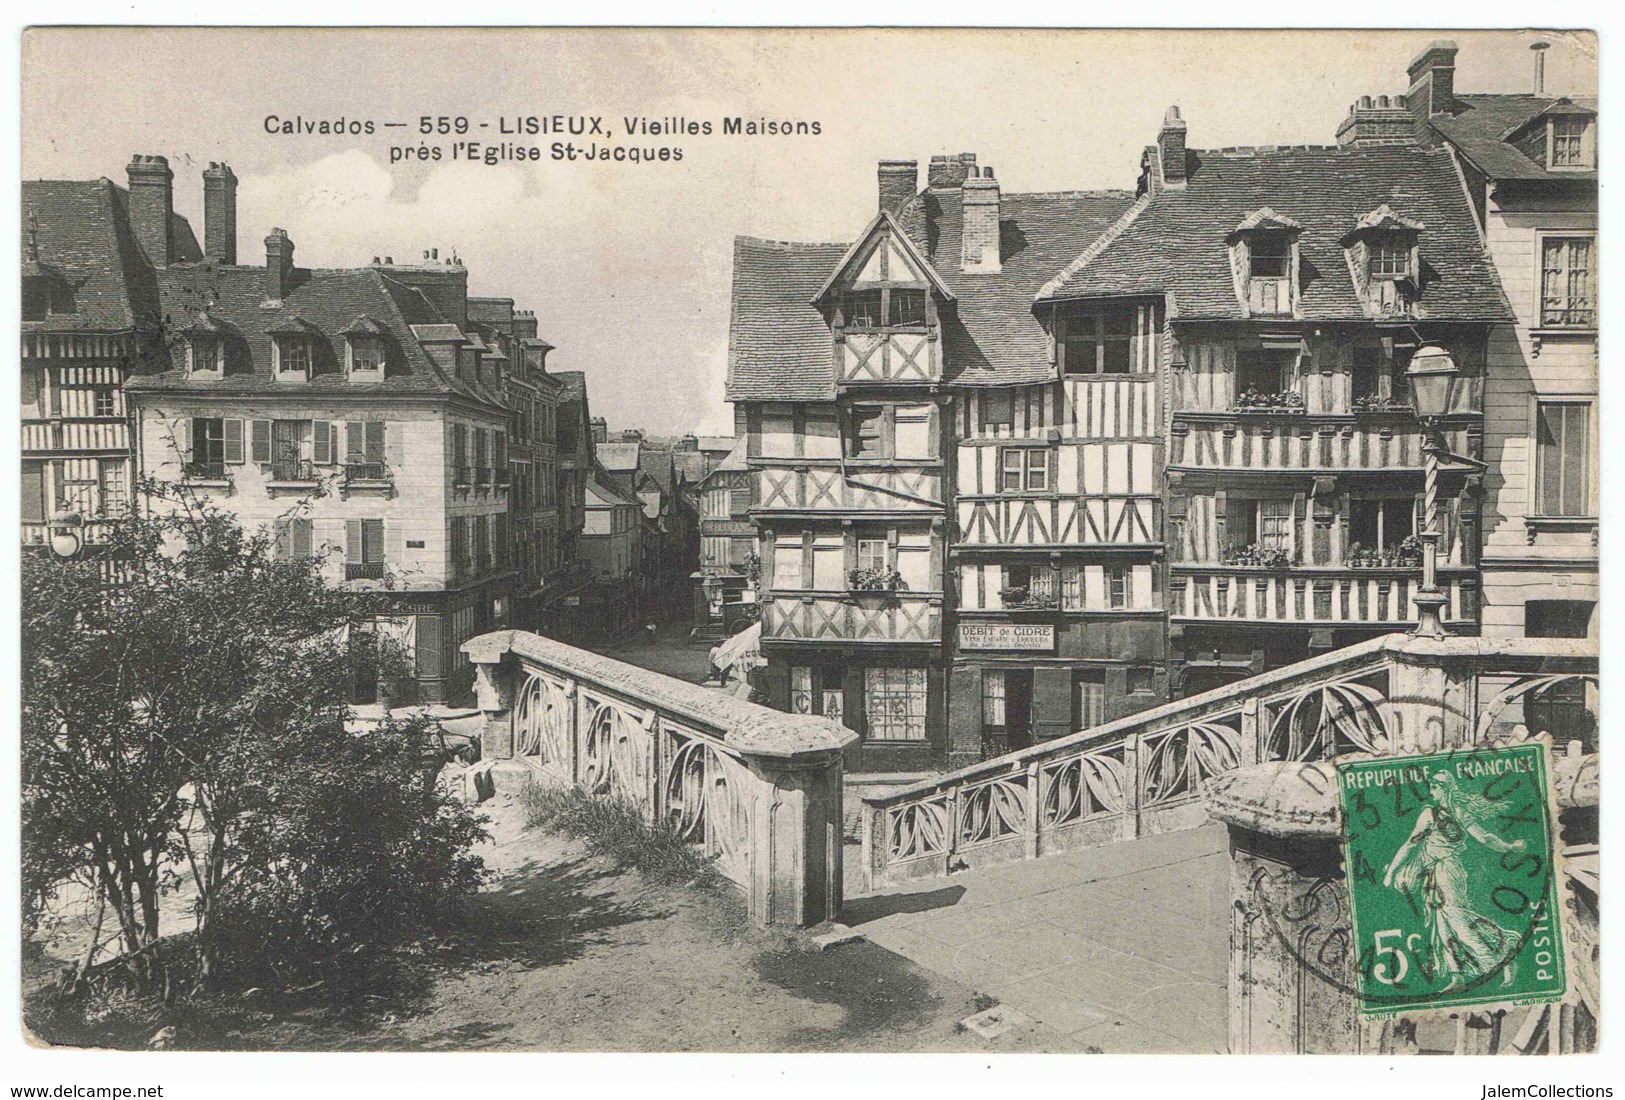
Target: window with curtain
1563,458
993,698
894,703
1568,142
1568,282
787,563
1089,687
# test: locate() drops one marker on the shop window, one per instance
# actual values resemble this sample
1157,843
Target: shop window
894,704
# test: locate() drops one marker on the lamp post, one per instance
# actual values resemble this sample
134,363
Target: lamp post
1433,378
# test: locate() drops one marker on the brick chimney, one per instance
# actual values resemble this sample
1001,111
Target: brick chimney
1433,81
152,203
1171,148
220,213
524,324
1379,121
689,442
899,179
980,195
600,429
950,170
278,265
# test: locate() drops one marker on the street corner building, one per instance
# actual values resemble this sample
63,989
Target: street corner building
1024,463
376,417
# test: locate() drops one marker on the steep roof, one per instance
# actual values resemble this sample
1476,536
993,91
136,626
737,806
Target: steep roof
82,231
600,485
733,462
660,465
779,345
322,301
1480,126
572,384
692,465
991,335
619,457
1175,244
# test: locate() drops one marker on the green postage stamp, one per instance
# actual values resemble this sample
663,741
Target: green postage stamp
1451,879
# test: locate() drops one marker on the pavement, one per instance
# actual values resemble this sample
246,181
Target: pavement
1123,948
672,653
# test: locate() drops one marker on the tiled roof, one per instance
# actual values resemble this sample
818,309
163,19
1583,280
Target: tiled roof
82,230
659,465
692,465
572,383
601,485
619,457
1175,246
779,345
322,301
1480,125
734,462
991,335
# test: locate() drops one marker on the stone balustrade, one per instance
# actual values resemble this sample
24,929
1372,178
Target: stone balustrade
756,789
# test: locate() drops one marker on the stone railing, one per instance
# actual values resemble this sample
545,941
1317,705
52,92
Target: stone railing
756,789
1144,774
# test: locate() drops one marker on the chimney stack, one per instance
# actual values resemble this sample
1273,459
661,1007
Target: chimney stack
1539,49
1379,121
631,435
1171,148
600,429
152,203
950,170
278,265
689,442
899,179
220,213
1433,81
980,251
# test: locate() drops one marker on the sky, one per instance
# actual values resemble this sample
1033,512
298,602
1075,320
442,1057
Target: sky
628,266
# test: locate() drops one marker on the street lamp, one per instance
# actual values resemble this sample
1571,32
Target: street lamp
1434,378
67,534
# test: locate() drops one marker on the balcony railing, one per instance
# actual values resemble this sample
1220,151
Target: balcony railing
293,470
464,476
1278,440
365,570
1311,595
365,471
887,617
205,471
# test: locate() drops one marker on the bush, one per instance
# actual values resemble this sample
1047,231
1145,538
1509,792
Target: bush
615,828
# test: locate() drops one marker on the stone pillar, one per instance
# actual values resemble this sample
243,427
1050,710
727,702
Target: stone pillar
494,688
795,856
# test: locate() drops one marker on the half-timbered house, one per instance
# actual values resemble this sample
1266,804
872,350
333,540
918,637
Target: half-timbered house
1293,286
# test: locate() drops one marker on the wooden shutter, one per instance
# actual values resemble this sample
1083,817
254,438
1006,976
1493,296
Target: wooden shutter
1052,703
33,492
352,540
355,447
374,440
321,448
183,438
260,440
372,539
284,539
302,530
428,647
232,432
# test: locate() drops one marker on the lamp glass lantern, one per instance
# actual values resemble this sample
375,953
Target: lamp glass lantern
67,533
1434,379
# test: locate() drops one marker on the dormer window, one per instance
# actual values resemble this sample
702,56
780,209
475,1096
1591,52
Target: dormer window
366,355
45,296
1568,143
1271,255
293,358
1390,257
203,354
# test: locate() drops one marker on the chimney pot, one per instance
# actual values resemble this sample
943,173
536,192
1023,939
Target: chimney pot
1539,49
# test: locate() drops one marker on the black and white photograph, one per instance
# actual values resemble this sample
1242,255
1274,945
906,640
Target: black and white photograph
823,541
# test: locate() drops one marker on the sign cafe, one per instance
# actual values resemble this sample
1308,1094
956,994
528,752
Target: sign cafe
1017,636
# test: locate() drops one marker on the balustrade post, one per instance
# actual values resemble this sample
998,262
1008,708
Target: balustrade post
795,873
1131,787
1035,805
1253,733
495,684
951,841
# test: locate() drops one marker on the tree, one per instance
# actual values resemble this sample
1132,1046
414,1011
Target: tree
185,754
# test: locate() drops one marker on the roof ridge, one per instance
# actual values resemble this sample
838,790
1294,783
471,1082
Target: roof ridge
1096,247
772,243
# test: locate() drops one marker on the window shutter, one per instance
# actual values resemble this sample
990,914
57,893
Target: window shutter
352,540
355,448
302,539
322,447
375,441
260,440
372,539
428,654
284,539
183,439
33,492
233,436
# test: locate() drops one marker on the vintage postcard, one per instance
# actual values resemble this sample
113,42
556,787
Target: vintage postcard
811,541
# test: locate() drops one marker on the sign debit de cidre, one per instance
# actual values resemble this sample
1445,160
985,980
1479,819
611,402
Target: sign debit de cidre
1451,883
1023,636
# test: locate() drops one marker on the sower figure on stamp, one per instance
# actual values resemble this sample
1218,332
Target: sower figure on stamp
1430,867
